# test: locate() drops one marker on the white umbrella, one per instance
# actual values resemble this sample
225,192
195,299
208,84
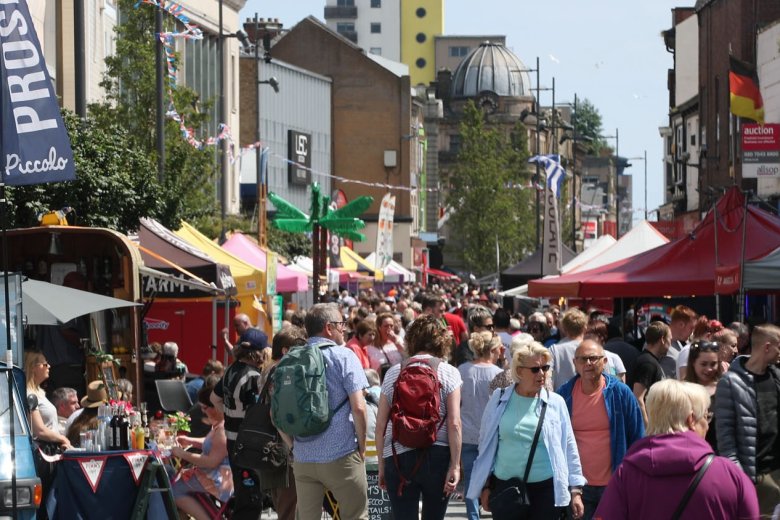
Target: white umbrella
48,304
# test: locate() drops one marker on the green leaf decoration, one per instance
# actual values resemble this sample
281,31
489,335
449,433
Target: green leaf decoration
285,210
292,225
354,208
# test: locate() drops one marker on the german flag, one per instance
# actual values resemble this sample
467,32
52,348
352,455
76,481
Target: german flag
745,96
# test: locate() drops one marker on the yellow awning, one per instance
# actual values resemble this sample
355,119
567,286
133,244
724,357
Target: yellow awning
354,262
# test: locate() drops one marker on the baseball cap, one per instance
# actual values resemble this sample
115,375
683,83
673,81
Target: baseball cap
256,338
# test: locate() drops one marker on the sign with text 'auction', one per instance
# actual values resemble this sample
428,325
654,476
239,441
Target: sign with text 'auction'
760,150
34,145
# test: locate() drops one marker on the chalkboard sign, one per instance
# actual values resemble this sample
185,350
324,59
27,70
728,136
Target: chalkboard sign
109,378
378,501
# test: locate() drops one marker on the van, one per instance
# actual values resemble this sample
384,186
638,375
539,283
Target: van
27,486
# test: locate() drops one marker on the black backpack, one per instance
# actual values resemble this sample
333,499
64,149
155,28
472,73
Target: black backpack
258,444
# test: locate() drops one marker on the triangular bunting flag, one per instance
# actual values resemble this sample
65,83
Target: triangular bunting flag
137,462
93,470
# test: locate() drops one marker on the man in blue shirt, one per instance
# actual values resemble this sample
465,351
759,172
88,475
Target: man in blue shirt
334,459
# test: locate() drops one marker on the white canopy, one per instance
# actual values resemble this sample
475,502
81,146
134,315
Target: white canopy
394,272
764,272
642,237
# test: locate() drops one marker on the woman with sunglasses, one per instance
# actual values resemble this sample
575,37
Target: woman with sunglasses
705,369
511,450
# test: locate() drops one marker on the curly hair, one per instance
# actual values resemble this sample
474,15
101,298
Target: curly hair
428,334
482,343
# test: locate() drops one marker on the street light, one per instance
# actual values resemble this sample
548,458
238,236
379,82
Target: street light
575,138
643,158
616,137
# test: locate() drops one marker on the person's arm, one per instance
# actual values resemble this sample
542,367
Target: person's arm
358,405
40,431
382,415
215,456
217,402
639,392
576,477
226,342
632,413
454,439
195,442
726,419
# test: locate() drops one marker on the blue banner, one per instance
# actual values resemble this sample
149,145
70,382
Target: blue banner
34,143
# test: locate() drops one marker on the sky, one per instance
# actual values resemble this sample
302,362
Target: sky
608,51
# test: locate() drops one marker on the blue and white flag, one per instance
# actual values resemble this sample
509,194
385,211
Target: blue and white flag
553,170
34,144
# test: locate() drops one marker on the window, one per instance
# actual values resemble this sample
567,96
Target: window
376,28
376,3
455,143
421,37
376,51
345,3
420,63
458,51
343,27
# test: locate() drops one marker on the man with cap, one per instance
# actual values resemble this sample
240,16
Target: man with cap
236,392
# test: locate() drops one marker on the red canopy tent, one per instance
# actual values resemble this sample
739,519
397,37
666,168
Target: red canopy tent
685,267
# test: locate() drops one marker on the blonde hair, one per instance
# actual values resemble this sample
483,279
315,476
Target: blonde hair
670,403
574,323
32,358
525,352
763,334
482,343
518,341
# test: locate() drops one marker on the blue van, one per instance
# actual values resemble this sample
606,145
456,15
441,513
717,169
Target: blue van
27,486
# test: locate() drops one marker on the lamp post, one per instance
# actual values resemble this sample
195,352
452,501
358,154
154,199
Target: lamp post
616,137
643,158
262,184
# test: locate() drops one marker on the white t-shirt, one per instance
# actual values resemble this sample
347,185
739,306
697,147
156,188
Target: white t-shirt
379,356
450,379
48,411
615,365
682,359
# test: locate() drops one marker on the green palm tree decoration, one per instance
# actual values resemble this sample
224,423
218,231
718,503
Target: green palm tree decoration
343,222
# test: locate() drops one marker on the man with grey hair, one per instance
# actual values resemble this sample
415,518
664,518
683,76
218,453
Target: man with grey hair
747,401
66,401
334,459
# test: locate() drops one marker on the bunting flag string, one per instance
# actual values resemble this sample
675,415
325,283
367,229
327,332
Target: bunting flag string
175,9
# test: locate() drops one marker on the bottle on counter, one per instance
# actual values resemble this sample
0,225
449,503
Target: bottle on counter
124,430
113,428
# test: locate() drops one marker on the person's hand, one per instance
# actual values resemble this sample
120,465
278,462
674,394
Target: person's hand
225,334
484,499
183,441
177,451
451,480
381,472
577,507
66,445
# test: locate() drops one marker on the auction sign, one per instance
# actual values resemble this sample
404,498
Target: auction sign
760,150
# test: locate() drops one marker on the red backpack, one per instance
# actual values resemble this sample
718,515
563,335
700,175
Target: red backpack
415,412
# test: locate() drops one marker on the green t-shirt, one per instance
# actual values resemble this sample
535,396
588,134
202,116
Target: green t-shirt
515,435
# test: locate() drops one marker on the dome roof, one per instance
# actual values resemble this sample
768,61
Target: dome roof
491,67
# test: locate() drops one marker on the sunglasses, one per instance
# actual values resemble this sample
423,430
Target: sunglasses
535,370
490,327
589,359
706,346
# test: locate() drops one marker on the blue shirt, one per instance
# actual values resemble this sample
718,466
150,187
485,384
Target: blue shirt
516,432
344,376
558,437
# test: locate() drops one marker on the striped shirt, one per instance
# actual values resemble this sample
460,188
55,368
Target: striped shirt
238,390
450,380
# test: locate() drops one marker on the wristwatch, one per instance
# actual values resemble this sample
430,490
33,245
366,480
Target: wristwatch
575,490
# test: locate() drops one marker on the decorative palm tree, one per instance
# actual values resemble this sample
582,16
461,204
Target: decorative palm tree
343,222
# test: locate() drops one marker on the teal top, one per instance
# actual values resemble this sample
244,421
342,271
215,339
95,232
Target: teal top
515,435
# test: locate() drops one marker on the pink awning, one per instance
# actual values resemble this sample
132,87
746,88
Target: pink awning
287,280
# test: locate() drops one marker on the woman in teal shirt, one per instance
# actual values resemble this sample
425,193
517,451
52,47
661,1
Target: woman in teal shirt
509,423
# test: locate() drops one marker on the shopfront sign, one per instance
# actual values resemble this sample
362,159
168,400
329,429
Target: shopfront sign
760,151
299,155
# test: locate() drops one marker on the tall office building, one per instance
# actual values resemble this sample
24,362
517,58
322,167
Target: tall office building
400,30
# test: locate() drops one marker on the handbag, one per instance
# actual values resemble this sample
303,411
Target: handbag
509,499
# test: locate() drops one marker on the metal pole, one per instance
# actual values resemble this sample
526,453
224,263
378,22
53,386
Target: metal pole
645,184
742,310
258,151
617,185
222,142
79,60
159,82
717,260
574,179
538,152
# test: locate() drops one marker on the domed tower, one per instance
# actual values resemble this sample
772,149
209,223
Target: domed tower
494,78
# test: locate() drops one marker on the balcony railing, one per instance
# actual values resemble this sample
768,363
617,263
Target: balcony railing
340,11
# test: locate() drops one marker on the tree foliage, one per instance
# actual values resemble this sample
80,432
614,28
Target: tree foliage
115,182
489,196
189,182
588,123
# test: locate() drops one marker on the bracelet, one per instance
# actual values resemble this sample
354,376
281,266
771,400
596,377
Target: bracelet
576,491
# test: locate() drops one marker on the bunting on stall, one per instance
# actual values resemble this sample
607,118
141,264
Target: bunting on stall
137,462
93,470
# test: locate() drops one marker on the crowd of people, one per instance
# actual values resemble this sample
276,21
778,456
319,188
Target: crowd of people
553,414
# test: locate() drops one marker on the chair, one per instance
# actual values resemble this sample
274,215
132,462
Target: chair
173,395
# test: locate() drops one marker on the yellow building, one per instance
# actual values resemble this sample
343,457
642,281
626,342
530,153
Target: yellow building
421,21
